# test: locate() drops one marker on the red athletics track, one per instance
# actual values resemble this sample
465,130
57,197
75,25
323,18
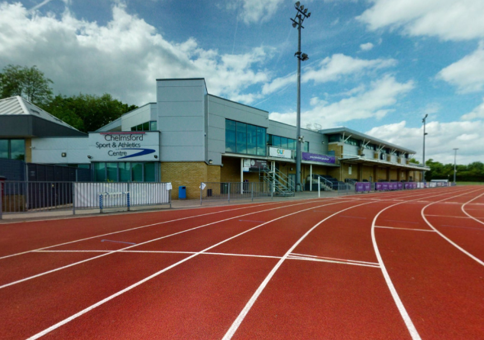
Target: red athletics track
369,266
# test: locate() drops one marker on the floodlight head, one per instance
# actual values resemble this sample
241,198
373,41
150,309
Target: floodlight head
294,24
309,14
297,54
305,11
301,8
304,57
297,4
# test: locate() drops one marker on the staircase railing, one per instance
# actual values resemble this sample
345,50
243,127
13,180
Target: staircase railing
278,181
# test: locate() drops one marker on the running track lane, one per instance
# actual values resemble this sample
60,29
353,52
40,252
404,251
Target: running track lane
441,287
107,276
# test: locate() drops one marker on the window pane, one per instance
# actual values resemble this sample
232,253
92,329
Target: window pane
137,171
124,172
291,144
261,141
149,172
100,172
112,172
133,128
229,135
276,141
241,137
146,126
251,139
284,142
17,149
306,147
153,126
3,148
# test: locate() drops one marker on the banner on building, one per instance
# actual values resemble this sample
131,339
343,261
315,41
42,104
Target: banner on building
313,157
124,146
254,165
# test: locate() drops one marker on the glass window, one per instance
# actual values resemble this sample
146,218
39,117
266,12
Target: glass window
306,147
291,144
112,171
146,126
284,142
124,172
3,148
137,172
149,171
276,141
229,136
153,126
133,128
334,138
251,139
241,136
99,172
261,141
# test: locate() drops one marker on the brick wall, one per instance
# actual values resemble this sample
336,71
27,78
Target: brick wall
189,174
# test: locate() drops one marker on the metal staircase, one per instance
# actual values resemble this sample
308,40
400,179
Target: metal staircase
277,180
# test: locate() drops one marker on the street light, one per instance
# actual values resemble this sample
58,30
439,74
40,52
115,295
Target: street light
455,158
301,14
424,134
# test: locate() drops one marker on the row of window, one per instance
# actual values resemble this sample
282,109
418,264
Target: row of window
244,138
125,172
12,149
252,140
147,126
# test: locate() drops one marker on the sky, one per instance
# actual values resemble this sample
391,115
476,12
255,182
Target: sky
375,66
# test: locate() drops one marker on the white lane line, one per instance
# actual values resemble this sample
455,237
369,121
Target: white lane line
401,308
448,216
330,260
334,258
448,239
143,243
409,229
109,298
131,229
235,325
469,215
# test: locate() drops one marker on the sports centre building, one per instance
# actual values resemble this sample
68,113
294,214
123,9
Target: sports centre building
189,136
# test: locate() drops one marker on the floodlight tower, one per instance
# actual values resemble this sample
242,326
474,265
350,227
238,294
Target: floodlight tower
424,134
297,21
455,167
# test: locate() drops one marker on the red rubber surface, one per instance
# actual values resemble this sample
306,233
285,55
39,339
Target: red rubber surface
330,287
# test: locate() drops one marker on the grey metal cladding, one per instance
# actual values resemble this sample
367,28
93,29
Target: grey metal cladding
23,126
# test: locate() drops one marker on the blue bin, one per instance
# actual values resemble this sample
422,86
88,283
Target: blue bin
182,192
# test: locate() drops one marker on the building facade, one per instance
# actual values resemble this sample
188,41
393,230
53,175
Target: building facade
189,136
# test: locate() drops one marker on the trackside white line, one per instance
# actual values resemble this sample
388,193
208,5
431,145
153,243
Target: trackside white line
235,325
84,311
303,258
142,243
465,212
333,258
409,229
131,229
448,216
448,239
401,308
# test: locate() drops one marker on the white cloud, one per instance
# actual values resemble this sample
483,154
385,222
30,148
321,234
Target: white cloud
442,138
477,113
330,69
79,56
366,47
254,11
446,19
374,103
468,73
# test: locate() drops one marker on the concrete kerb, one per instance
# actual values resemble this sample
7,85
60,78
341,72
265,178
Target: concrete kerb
176,204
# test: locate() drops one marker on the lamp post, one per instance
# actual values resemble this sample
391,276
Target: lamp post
455,158
301,14
424,134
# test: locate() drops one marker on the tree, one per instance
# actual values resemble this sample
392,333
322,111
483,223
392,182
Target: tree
87,112
28,82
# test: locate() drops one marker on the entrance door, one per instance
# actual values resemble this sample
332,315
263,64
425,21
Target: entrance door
292,181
